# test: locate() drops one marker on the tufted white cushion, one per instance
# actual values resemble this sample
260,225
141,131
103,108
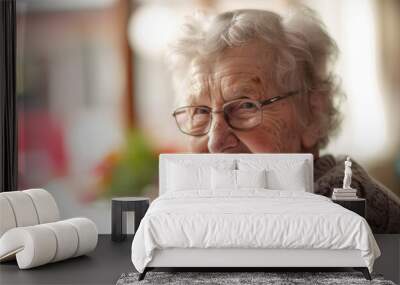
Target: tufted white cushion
67,237
37,245
23,209
87,234
31,232
7,220
31,246
45,205
27,208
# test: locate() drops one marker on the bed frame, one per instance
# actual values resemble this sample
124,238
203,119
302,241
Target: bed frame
247,258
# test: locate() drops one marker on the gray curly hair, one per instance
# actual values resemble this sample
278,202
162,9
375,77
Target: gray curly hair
302,52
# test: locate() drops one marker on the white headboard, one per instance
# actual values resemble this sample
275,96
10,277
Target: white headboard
210,158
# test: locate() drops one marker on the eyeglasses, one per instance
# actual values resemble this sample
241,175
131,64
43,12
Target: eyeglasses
240,114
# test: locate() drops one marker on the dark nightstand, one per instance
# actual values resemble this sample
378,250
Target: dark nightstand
357,205
138,205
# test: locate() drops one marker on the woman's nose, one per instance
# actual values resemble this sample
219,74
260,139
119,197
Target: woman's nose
220,136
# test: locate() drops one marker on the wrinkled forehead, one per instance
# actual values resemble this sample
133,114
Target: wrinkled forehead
231,68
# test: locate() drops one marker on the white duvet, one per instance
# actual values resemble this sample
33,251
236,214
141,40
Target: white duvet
250,219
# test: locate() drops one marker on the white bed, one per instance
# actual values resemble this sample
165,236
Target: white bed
201,220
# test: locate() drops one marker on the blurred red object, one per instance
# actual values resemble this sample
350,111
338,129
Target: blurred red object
41,148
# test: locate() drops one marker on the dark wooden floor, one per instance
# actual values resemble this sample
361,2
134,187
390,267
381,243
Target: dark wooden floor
102,266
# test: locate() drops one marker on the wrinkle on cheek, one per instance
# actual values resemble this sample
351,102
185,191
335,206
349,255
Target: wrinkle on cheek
277,124
273,128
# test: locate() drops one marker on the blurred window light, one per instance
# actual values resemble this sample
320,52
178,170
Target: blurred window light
151,27
364,129
363,78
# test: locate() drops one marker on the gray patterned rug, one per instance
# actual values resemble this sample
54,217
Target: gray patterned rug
229,278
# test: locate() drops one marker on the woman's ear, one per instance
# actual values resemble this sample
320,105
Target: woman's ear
312,130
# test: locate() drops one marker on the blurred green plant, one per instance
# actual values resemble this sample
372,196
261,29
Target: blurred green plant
128,171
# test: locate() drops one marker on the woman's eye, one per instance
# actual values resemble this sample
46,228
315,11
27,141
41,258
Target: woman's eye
247,105
200,111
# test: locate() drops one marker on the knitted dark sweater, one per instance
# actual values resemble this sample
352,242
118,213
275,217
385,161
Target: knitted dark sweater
383,206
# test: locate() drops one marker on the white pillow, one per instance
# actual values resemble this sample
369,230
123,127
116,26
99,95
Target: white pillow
228,179
189,174
281,174
251,178
293,179
187,177
223,179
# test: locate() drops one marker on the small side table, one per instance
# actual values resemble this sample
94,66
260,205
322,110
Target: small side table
139,205
357,205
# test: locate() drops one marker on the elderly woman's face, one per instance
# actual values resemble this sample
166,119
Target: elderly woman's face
241,72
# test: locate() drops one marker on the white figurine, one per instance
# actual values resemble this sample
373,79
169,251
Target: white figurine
347,174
